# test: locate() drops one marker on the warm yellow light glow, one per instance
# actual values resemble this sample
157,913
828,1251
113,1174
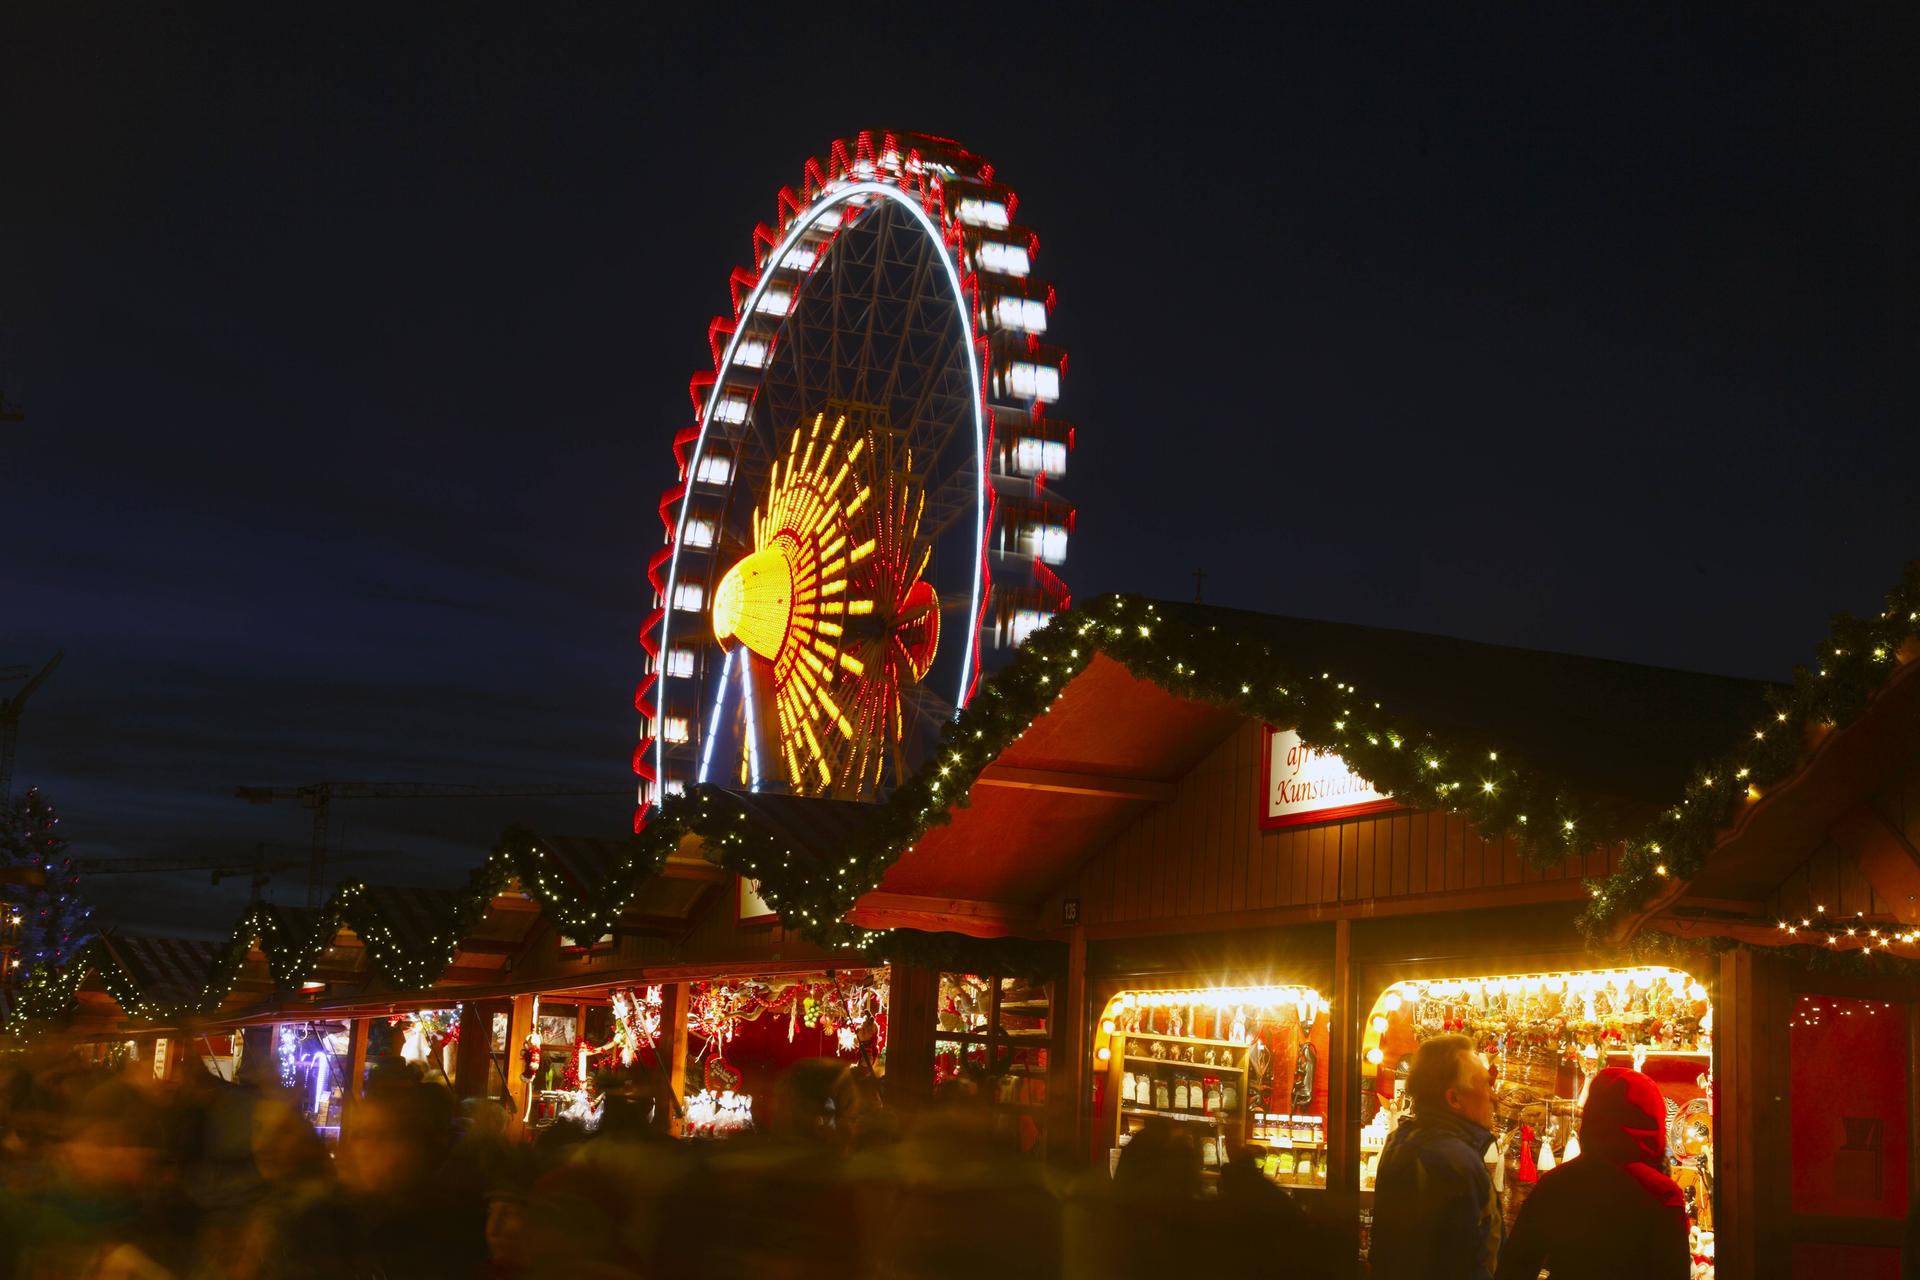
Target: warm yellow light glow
1379,1026
1375,1056
755,602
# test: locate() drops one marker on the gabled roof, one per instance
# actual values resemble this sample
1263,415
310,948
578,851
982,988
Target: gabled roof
1620,728
166,970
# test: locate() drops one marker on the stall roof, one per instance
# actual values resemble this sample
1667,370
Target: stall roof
1112,744
169,970
1622,729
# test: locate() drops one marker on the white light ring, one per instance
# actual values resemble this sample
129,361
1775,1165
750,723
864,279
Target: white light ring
801,224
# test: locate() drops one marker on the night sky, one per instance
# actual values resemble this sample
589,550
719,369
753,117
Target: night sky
351,354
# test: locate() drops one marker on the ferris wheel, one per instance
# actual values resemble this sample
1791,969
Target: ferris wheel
865,515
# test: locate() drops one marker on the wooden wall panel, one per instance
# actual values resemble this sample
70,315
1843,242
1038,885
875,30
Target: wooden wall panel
1204,853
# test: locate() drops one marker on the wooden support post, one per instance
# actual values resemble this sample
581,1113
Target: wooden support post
1343,1091
673,1048
357,1029
471,1055
912,993
1734,1081
1070,1066
519,1027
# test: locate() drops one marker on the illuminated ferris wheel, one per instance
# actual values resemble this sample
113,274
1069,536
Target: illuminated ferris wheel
865,514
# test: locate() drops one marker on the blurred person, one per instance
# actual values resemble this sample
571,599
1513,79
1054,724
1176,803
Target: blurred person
1435,1214
409,1216
1611,1210
103,1208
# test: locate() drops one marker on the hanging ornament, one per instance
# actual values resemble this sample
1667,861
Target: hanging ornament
1573,1146
1526,1172
1546,1153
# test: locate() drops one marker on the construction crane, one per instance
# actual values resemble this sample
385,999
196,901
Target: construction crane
10,712
318,796
256,866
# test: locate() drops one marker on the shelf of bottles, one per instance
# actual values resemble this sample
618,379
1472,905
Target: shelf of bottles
1235,1066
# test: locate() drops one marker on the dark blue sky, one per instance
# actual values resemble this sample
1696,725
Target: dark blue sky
352,351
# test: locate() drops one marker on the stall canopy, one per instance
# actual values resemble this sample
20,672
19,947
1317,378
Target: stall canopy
1834,846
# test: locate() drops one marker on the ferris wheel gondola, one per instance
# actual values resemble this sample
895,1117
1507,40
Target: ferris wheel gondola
866,512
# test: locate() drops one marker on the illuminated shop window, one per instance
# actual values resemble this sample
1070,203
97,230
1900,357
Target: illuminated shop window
1025,314
1006,259
675,787
1546,1035
690,596
1029,381
982,213
674,729
699,531
732,408
715,468
1244,1068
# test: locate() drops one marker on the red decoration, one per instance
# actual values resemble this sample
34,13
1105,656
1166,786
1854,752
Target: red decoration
1526,1171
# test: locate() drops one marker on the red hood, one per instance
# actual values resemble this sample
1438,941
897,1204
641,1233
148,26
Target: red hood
1625,1123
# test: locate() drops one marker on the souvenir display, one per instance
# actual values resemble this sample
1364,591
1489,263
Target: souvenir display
1217,1074
1544,1036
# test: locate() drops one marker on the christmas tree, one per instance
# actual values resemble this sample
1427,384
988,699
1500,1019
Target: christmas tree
54,922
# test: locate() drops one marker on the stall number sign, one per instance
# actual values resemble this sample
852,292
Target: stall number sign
1305,784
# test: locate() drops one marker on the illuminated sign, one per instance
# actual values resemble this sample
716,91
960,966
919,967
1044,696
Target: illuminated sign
1304,784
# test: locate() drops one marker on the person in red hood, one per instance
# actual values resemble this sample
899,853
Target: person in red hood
1611,1211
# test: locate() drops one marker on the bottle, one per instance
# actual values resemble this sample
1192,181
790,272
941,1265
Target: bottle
1213,1096
1162,1096
1230,1097
1303,1169
1179,1093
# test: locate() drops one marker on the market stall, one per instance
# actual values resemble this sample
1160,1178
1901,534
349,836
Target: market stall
740,1035
1545,1035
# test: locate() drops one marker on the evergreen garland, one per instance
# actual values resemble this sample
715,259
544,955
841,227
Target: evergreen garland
1549,819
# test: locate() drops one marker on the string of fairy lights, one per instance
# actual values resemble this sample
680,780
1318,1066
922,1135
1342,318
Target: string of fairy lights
812,892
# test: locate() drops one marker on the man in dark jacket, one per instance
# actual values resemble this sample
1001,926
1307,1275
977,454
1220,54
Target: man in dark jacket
1611,1211
1435,1216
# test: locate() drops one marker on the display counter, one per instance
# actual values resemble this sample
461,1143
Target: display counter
1545,1035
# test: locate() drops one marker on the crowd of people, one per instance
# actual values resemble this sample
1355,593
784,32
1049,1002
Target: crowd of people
113,1175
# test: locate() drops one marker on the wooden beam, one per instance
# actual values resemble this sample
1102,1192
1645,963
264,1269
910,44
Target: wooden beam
1890,864
1075,784
356,1071
519,1027
490,946
470,973
1343,1084
1070,1083
679,868
877,910
673,1045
